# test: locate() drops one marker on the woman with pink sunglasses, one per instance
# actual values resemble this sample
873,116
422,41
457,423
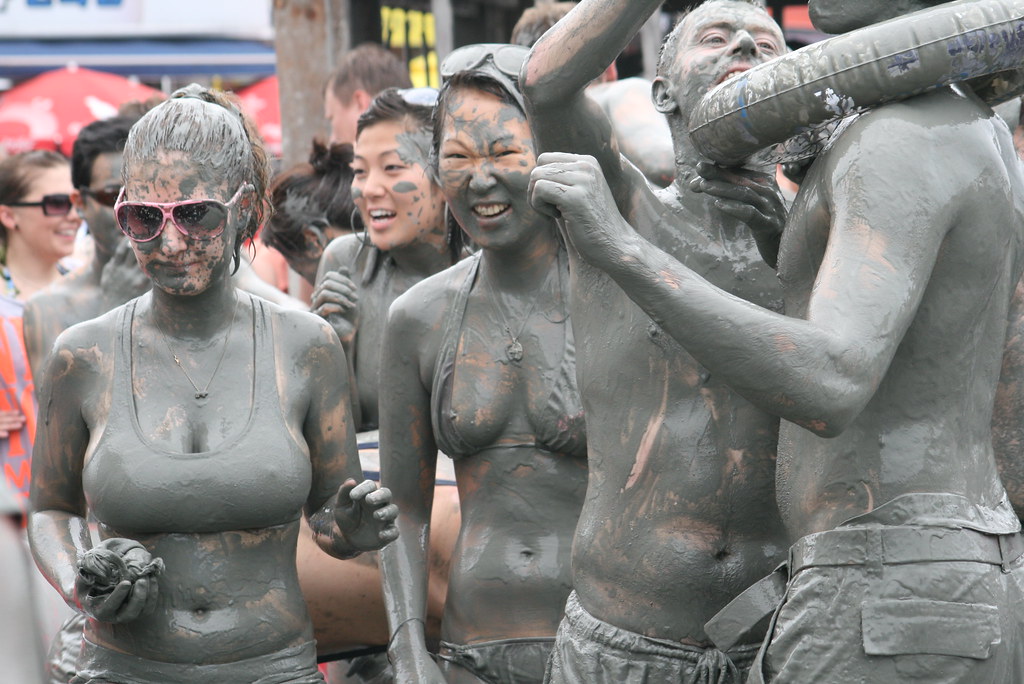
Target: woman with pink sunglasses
198,481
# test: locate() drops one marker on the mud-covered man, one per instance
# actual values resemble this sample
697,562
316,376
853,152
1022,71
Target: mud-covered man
680,512
898,262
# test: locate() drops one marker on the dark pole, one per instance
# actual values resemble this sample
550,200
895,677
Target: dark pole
365,23
777,6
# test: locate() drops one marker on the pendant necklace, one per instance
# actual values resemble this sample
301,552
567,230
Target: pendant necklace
202,393
514,349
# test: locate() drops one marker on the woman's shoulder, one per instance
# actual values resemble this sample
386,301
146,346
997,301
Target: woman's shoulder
291,324
91,343
432,295
345,249
95,330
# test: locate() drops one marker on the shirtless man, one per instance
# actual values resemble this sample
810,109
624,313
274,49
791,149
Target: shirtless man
680,512
898,262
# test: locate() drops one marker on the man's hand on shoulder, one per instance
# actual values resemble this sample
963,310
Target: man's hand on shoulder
573,189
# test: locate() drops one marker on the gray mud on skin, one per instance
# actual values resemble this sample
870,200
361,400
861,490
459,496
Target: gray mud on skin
379,272
514,428
898,264
672,450
229,590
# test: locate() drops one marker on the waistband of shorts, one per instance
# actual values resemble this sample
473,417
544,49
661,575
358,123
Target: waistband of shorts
903,544
941,509
589,627
483,645
291,661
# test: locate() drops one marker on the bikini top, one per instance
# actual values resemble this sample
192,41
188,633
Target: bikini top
259,478
561,429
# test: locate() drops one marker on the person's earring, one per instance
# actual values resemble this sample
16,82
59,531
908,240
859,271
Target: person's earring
450,225
458,241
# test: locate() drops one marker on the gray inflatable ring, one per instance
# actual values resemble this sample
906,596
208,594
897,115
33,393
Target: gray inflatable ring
976,41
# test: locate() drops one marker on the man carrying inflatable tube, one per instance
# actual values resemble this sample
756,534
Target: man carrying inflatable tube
898,262
680,512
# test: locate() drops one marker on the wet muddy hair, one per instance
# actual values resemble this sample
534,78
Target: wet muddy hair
17,173
207,127
391,106
667,55
318,192
100,137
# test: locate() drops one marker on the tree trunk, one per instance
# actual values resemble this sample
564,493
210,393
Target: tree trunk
309,37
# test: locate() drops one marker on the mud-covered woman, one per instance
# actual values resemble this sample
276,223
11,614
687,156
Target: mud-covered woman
312,201
479,363
405,236
197,424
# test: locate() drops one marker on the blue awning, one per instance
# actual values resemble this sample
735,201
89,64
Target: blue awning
23,58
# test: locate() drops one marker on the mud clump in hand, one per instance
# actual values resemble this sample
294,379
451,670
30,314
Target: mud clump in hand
113,561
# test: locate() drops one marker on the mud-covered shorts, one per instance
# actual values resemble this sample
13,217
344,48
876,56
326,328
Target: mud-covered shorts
899,604
66,645
503,661
591,651
295,665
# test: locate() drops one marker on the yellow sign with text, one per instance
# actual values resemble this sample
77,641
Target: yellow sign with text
411,33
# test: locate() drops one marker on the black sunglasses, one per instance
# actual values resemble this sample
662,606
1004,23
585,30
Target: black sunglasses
106,196
53,205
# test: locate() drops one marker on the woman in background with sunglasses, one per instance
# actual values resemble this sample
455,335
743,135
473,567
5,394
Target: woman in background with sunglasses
198,480
37,229
38,222
479,362
111,275
404,240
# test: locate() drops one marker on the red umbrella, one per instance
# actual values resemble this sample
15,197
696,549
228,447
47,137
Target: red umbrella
261,101
46,112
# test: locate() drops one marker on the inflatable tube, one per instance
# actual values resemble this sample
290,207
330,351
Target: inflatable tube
976,41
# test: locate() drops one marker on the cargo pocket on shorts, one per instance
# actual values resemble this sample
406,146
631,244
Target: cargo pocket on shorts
921,627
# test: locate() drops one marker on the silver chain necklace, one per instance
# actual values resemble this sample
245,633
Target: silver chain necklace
514,349
202,393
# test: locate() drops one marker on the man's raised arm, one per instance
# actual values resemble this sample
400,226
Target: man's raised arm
563,63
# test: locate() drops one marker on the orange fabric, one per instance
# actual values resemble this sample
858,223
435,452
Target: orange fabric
18,395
